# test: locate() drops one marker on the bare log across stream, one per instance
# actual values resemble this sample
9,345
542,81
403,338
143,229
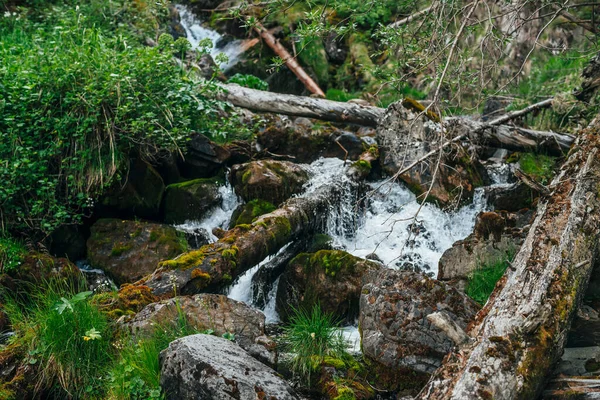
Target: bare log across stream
503,136
520,333
214,265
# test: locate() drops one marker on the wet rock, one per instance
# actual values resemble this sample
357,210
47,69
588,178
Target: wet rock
175,28
96,279
191,200
393,325
196,238
204,312
585,329
209,367
138,194
68,241
403,138
306,142
496,236
579,361
335,49
271,181
330,278
510,198
208,66
203,158
240,151
130,250
166,166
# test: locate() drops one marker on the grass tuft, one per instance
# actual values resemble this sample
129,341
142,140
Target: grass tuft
482,281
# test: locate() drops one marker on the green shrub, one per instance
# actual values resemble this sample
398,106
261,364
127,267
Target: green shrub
66,336
12,253
249,81
482,281
310,337
78,96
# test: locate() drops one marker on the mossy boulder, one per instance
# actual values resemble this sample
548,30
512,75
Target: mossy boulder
395,332
314,57
191,200
249,212
271,181
40,268
129,250
138,193
203,158
331,278
129,300
214,312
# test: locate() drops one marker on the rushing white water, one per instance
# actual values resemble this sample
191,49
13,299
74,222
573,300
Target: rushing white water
394,226
218,217
241,290
196,33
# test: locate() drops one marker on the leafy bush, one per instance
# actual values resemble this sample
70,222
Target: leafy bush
482,281
11,254
75,101
249,81
66,337
310,337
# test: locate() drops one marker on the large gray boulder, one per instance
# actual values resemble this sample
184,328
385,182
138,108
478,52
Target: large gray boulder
395,331
202,367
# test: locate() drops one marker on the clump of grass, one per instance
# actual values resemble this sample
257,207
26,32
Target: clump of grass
137,374
482,281
539,166
310,337
65,336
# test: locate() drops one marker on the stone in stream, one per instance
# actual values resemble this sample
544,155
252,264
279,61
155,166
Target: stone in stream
130,250
202,367
330,278
203,158
190,200
271,181
396,335
139,193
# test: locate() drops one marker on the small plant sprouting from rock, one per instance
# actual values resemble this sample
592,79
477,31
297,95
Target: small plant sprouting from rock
310,337
482,281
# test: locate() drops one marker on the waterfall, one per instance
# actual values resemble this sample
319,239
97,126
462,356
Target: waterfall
218,217
196,33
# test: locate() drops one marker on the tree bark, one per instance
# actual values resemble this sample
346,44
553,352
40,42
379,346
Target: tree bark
301,106
520,333
214,265
503,136
511,137
289,60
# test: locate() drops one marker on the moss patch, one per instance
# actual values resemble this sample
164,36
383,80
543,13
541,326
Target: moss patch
249,212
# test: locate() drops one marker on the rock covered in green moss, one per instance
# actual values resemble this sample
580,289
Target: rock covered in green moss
249,212
129,250
395,332
272,181
190,200
139,193
40,268
331,278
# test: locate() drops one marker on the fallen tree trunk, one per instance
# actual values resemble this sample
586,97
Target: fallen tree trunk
520,333
289,60
300,106
215,265
511,137
494,135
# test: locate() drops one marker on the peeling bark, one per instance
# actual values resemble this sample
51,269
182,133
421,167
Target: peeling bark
521,331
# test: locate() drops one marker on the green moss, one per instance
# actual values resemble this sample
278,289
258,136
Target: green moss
538,166
227,278
188,260
345,393
363,166
217,179
336,363
120,248
246,176
173,239
312,54
252,210
482,281
154,235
